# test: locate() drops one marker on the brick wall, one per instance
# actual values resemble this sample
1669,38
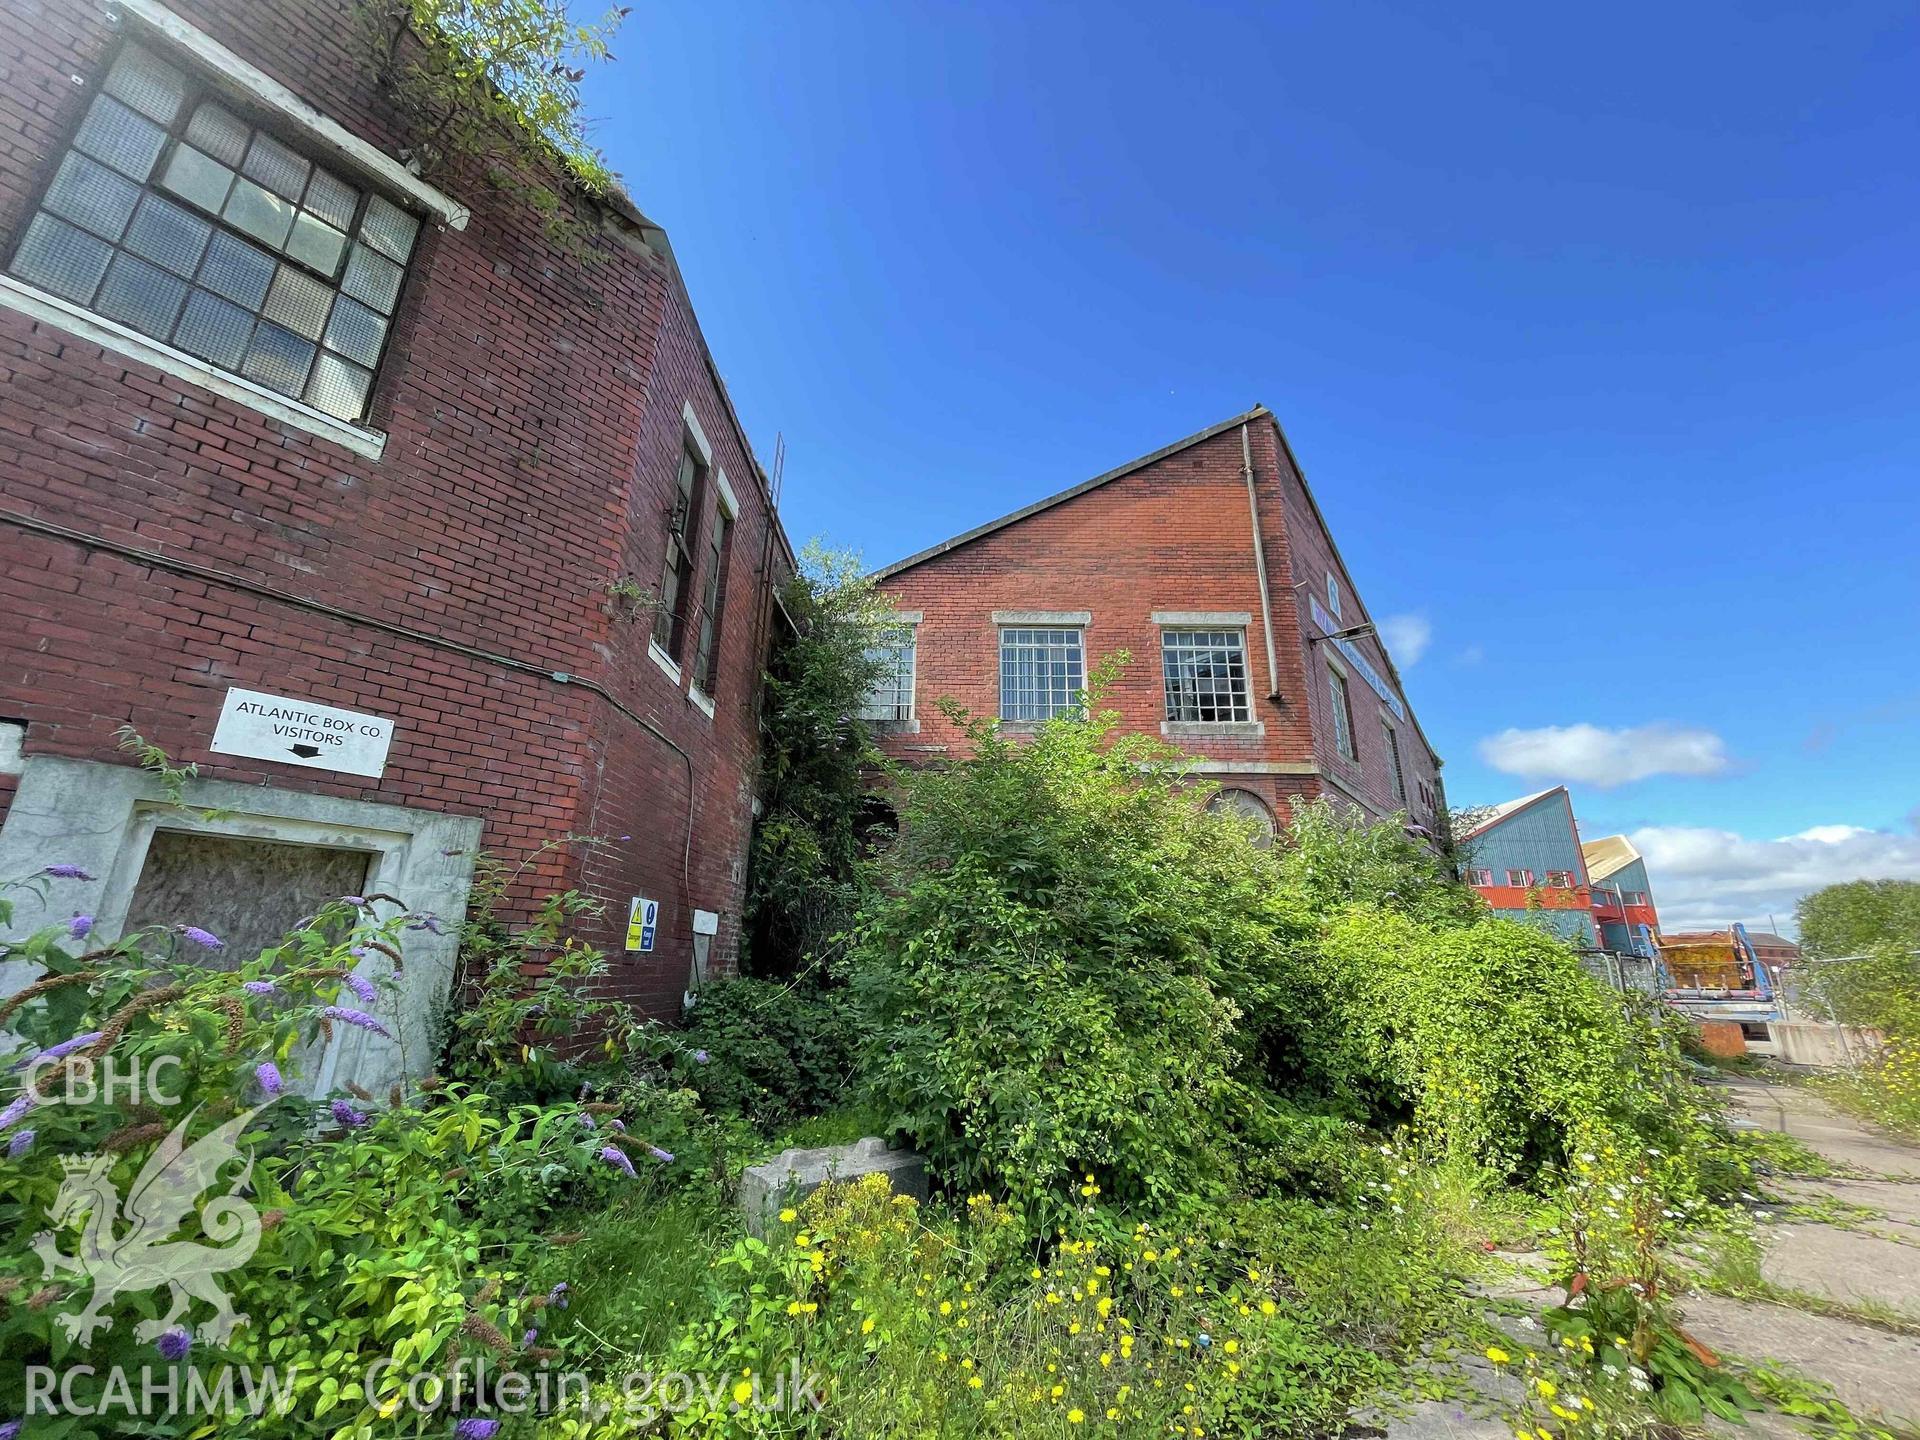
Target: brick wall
532,413
1172,534
1311,557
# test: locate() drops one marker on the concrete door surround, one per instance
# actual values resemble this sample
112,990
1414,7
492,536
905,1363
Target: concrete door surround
102,818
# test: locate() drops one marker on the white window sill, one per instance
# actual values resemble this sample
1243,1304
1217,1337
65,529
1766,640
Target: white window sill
665,661
1213,729
702,701
97,330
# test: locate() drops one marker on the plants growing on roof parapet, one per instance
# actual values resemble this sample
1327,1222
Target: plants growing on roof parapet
498,82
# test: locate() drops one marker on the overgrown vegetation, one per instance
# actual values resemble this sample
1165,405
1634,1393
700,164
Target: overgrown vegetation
497,83
1863,941
807,871
1217,1133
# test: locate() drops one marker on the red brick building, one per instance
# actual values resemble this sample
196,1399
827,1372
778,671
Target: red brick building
280,419
1209,562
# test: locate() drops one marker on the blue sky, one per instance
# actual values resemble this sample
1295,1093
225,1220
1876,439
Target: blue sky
1594,331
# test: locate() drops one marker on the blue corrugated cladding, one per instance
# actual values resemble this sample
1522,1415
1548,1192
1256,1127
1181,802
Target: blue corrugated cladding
1539,838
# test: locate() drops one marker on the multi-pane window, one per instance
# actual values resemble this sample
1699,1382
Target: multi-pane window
713,599
891,698
176,217
1395,775
1560,879
1342,714
1480,877
1042,672
1519,877
670,620
1206,674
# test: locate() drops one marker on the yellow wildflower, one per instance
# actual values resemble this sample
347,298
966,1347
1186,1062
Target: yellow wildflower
788,1216
1497,1355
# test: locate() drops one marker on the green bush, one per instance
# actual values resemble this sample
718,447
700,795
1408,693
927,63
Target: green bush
807,870
771,1053
1073,967
1039,979
1488,1037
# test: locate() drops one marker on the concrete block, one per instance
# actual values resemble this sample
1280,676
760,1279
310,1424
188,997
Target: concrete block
792,1174
1829,1047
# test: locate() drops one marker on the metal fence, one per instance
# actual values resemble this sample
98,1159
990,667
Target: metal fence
1636,973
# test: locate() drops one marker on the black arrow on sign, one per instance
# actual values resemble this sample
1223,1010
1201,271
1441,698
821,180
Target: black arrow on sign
305,752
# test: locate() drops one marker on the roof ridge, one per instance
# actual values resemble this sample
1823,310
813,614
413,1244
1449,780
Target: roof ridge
1061,497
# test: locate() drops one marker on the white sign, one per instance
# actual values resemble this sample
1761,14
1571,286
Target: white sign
292,731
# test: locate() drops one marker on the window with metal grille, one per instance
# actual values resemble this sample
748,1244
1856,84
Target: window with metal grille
1394,773
1342,714
713,599
1042,673
670,620
177,217
891,698
1206,674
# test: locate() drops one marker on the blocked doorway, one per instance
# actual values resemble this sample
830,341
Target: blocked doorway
248,892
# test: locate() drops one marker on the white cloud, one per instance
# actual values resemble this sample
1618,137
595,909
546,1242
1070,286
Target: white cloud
1592,755
1704,878
1406,638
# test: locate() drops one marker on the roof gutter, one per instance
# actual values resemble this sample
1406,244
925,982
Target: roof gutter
1260,566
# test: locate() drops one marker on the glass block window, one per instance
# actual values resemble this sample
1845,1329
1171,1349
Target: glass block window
892,695
1042,673
1396,777
1206,674
174,215
1342,714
